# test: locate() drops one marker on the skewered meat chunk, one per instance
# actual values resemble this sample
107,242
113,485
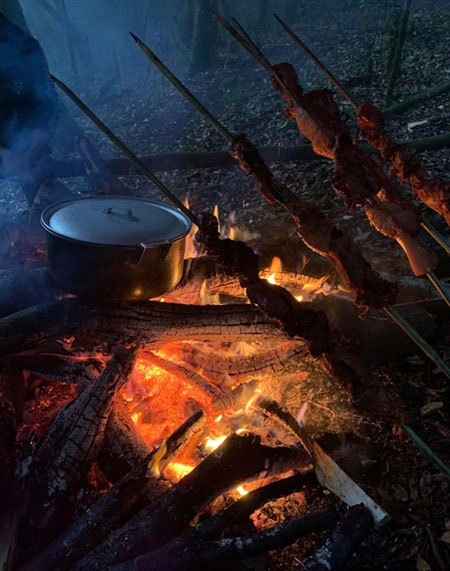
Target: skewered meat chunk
405,162
318,233
401,225
315,112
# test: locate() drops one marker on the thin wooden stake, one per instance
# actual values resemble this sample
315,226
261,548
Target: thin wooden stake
318,63
184,90
129,153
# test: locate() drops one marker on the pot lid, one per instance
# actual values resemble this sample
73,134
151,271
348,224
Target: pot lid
115,220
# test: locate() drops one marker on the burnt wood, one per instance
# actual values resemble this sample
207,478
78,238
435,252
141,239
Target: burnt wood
238,459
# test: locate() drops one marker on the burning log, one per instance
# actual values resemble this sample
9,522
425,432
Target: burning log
56,367
238,459
113,508
208,554
239,369
73,440
122,448
186,374
299,320
337,550
145,322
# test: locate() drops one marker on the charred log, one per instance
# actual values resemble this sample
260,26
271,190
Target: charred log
209,554
238,369
72,443
238,459
336,551
144,322
112,509
122,448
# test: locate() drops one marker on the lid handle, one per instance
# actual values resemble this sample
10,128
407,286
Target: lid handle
123,213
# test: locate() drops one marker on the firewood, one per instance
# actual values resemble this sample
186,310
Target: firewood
238,459
122,448
209,554
67,451
243,508
336,551
300,321
238,369
186,374
59,367
221,159
113,508
143,322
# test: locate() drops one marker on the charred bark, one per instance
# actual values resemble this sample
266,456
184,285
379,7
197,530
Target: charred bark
122,448
72,443
209,554
337,550
144,322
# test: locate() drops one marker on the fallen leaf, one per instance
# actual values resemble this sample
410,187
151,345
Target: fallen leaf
431,407
445,537
416,124
422,565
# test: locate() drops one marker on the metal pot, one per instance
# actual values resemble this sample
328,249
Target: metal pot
115,248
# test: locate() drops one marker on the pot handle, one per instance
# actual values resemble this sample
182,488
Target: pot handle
163,248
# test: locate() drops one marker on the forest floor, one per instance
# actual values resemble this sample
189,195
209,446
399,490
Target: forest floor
153,118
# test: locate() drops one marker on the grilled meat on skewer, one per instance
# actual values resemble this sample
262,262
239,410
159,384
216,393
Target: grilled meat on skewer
318,233
316,114
401,225
405,162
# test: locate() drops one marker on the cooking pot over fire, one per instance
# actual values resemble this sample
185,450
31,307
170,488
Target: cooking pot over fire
115,248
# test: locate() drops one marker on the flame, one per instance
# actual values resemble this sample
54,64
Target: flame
251,401
153,465
276,267
218,418
206,298
176,470
241,491
216,215
301,415
135,416
212,444
190,249
299,297
232,233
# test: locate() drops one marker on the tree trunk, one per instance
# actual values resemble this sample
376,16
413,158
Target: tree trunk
203,49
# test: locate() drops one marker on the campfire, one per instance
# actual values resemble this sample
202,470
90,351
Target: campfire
193,422
184,432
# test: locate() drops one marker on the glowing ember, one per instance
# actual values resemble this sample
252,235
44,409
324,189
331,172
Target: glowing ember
158,401
241,491
299,297
212,443
218,418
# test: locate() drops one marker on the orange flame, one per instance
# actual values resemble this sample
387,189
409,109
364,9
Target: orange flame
276,267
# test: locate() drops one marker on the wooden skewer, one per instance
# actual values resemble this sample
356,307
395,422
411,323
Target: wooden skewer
129,153
425,225
319,64
184,90
396,317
